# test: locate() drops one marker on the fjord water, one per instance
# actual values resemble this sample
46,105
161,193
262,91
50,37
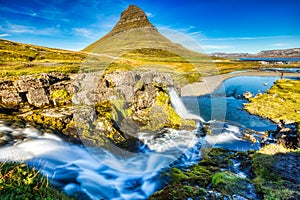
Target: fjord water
102,174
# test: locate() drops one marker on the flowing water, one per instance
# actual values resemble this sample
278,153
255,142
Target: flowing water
99,173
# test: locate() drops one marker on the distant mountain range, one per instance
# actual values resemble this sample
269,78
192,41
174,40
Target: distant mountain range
281,53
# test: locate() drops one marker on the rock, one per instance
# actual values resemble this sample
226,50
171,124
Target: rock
37,97
247,95
32,89
288,135
132,18
9,94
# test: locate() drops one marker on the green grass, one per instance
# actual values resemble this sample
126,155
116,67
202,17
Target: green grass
280,102
18,181
22,59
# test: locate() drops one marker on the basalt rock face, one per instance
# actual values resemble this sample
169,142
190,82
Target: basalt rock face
131,18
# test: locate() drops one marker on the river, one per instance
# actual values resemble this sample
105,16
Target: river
99,173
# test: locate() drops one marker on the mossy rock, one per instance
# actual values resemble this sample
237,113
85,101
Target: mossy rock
60,97
229,184
218,158
179,192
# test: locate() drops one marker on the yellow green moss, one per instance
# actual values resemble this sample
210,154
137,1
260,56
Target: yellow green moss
60,97
174,120
280,102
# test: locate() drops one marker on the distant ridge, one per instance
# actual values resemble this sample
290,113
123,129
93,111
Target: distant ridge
279,53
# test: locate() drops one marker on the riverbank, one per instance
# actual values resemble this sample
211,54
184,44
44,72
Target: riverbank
210,83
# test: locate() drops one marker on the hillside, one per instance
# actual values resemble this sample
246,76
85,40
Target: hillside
20,59
282,53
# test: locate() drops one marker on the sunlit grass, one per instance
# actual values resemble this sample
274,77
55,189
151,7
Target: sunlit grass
280,102
18,181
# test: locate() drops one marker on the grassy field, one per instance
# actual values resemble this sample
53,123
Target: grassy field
281,102
21,59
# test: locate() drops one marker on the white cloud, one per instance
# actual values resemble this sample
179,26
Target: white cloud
18,29
4,35
216,47
246,38
150,15
279,45
85,32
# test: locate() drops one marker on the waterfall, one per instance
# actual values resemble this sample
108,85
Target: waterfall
180,108
96,172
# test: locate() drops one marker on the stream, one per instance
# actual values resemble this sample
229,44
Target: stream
101,174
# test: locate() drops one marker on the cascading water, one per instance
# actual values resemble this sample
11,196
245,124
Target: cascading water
180,108
96,172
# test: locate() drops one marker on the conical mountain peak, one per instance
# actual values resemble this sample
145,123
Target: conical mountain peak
132,18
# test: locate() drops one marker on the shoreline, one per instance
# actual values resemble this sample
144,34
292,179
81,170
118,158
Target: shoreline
210,83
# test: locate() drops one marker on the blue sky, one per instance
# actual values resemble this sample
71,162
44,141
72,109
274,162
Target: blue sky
214,25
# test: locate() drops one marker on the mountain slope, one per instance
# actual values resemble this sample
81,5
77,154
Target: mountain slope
134,43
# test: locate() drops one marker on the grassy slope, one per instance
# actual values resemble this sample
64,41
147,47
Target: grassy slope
136,49
20,59
281,102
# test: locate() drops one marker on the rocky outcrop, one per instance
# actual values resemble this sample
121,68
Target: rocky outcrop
33,90
131,18
97,106
135,100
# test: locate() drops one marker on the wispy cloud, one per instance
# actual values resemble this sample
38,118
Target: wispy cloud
85,32
4,35
279,45
216,47
150,15
246,38
21,29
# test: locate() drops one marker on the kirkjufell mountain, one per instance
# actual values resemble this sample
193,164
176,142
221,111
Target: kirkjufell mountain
135,43
134,31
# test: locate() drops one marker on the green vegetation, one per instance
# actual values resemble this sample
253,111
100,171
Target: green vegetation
21,59
18,181
210,170
229,184
60,97
160,60
280,102
269,181
178,192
